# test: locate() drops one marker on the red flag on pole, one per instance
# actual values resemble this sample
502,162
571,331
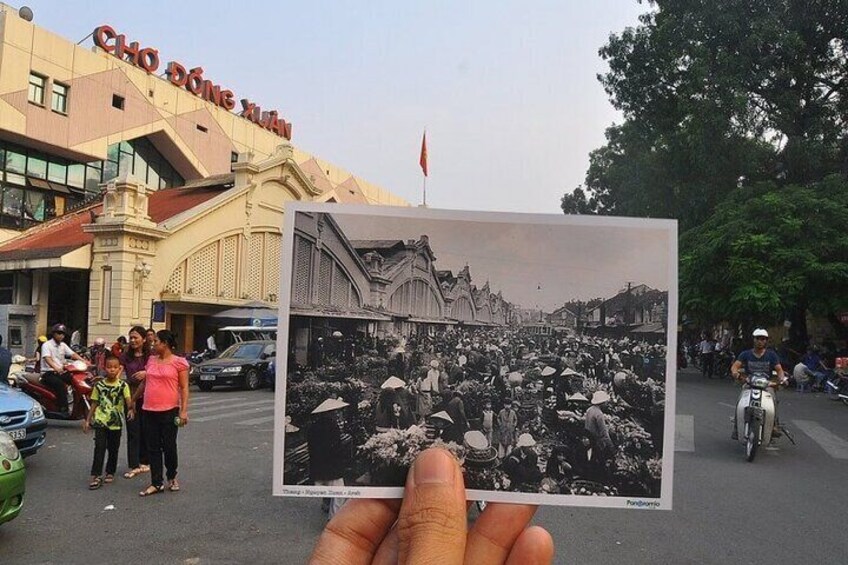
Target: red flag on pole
423,159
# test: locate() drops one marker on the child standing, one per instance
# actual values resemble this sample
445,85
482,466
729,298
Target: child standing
507,425
109,398
488,421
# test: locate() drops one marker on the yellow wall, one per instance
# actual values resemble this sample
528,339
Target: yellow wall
27,47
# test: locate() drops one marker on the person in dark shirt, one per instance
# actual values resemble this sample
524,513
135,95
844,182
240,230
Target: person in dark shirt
522,465
758,360
327,456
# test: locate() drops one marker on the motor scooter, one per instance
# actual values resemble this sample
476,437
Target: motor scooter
756,414
79,382
836,385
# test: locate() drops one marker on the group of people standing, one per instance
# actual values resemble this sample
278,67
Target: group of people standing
145,385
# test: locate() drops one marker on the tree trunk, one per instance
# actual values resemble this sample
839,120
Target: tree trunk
839,328
798,335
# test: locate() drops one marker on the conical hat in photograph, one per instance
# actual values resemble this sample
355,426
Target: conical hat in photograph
329,405
548,371
600,397
569,372
515,377
578,396
476,440
393,382
442,416
290,428
525,440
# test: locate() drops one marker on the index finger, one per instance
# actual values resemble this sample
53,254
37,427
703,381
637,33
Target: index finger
495,531
356,532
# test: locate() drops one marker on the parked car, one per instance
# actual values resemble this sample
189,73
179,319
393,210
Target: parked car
241,364
22,417
12,479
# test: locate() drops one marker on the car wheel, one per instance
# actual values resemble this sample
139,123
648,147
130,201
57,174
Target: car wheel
252,380
205,387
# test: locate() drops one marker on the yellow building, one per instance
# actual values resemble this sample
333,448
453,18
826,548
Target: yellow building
124,193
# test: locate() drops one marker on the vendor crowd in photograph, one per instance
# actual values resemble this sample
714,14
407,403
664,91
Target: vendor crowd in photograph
389,355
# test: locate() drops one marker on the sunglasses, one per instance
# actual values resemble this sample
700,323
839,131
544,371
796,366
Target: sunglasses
761,337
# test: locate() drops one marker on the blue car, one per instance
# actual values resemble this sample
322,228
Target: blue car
22,418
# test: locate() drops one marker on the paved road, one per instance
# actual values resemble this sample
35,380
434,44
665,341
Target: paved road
786,507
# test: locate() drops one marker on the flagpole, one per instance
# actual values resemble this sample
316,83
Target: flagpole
425,191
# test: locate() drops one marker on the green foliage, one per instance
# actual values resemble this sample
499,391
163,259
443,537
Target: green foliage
735,124
766,249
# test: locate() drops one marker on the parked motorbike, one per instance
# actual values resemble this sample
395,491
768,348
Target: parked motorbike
79,385
723,361
198,357
836,386
756,413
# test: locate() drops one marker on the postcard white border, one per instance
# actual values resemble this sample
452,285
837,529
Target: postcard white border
664,502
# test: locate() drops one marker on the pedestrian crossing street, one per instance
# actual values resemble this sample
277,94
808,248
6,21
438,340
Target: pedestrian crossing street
254,409
830,443
208,408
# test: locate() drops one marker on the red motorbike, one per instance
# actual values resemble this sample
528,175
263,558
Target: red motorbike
79,381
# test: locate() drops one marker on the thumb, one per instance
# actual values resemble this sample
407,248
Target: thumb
432,524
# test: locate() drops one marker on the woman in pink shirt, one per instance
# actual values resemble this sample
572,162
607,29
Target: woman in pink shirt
165,390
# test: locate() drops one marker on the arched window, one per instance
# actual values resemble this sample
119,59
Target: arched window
462,310
415,298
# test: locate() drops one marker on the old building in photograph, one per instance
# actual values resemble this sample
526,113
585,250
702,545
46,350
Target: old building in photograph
133,192
637,309
378,288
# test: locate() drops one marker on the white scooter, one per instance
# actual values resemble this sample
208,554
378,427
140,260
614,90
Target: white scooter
756,412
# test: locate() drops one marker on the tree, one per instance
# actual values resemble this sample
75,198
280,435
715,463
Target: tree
733,108
717,94
769,253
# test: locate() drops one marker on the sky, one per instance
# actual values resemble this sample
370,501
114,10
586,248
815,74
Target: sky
506,90
534,265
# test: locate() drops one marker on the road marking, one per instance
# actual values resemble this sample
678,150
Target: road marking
202,402
262,420
203,410
727,405
232,414
684,432
834,445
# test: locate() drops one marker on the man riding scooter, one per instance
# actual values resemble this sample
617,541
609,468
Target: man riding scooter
758,360
54,353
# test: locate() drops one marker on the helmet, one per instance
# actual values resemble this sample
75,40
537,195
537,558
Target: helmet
99,341
42,339
760,332
59,329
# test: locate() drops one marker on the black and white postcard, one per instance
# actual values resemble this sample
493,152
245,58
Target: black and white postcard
538,349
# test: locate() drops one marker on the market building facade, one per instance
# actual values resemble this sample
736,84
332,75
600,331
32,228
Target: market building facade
378,288
128,198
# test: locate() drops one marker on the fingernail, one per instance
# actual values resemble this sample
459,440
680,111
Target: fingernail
433,467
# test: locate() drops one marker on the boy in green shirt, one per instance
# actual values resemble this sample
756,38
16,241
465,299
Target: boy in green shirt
108,399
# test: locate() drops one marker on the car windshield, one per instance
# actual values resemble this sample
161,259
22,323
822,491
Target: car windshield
243,351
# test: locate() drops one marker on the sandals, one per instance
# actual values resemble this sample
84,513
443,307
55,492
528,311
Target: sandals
95,483
133,472
109,479
151,490
174,486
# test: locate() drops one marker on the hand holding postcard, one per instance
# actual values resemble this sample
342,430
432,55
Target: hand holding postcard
539,350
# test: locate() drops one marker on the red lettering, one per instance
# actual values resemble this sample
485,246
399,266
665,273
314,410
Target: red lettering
102,35
177,74
228,99
248,110
148,59
195,81
122,49
211,92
